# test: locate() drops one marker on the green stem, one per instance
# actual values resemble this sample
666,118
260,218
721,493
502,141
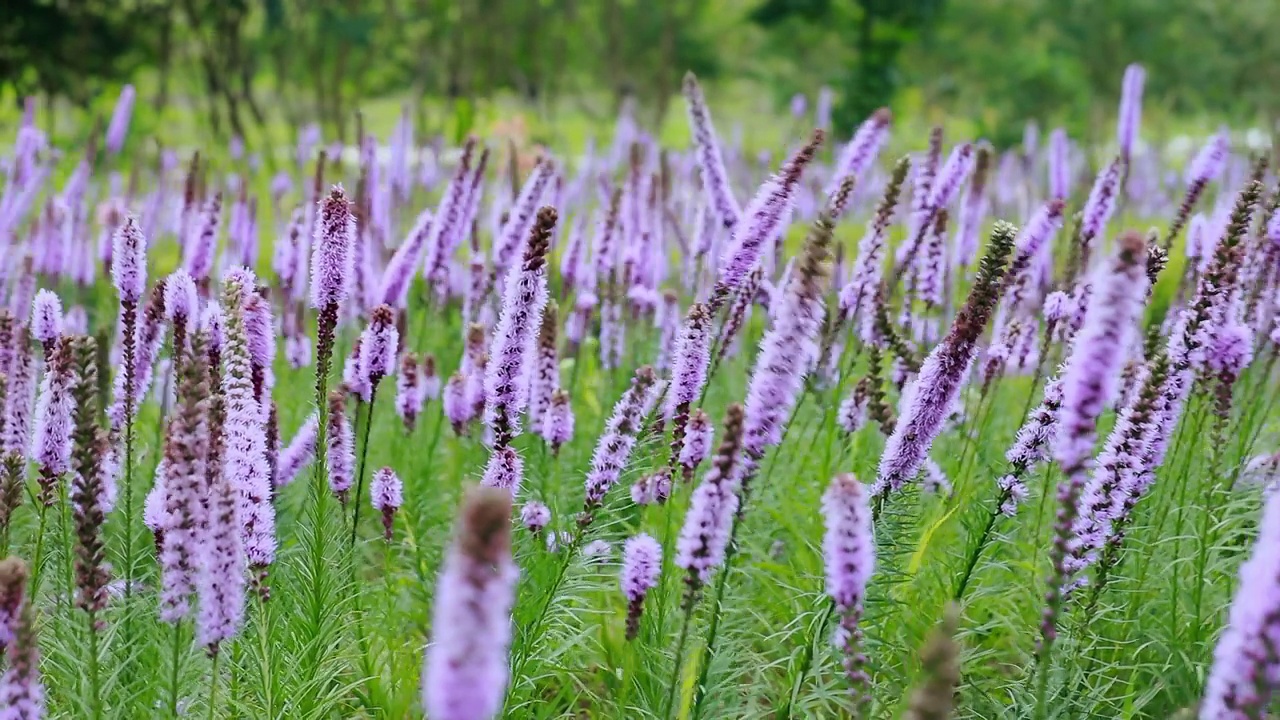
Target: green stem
364,452
36,562
175,669
95,688
806,662
676,663
213,685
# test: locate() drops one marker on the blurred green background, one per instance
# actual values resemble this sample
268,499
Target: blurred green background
556,71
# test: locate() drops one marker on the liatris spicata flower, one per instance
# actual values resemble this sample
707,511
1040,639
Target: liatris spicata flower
429,386
787,351
557,424
927,401
409,393
1089,382
129,262
504,470
710,162
21,693
1098,210
260,333
340,447
525,296
614,447
858,296
1241,682
199,251
689,370
245,461
535,516
860,153
89,446
1130,116
935,697
852,414
848,548
704,537
182,519
739,311
332,265
1030,446
181,304
1204,167
474,365
51,439
378,345
300,450
118,128
652,488
641,564
18,397
387,495
1059,165
465,671
439,242
46,319
222,578
522,219
935,480
697,443
973,208
13,588
545,376
457,407
761,221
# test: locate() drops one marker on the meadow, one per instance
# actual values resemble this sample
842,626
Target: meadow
890,425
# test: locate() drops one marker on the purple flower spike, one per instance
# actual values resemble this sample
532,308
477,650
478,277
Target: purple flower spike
129,261
1130,116
862,150
465,671
1211,160
506,378
761,221
557,424
1241,682
535,516
504,470
46,317
387,495
1098,208
704,536
333,257
952,175
409,393
710,162
1059,165
848,548
51,440
222,579
21,692
618,440
118,128
181,301
340,447
697,442
378,347
641,564
300,451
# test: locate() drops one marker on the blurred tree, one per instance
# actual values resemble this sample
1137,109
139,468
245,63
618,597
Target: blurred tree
879,29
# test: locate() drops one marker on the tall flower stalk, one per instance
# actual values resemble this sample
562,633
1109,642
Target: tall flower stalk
377,360
129,275
89,443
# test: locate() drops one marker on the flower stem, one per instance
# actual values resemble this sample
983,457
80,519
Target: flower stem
364,452
690,604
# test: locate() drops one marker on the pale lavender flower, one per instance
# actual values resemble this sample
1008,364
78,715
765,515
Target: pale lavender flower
697,442
445,233
18,399
614,447
852,414
1099,208
46,317
544,378
952,175
1241,682
339,447
386,493
504,470
378,348
704,537
222,576
848,549
506,376
21,692
51,439
641,564
1211,160
535,516
457,407
118,128
710,162
333,257
465,671
154,515
198,251
245,460
129,261
1057,306
1130,115
1059,164
182,486
300,451
524,217
409,393
935,480
861,151
556,426
181,301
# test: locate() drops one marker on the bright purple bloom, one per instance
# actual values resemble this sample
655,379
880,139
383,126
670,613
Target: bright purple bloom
1057,306
697,442
704,537
524,217
181,301
710,162
394,288
378,346
118,128
46,317
51,440
129,261
848,546
691,362
652,488
466,672
545,373
506,378
300,451
1130,116
619,438
245,460
952,175
1232,349
221,581
1211,160
333,257
18,404
21,693
457,407
445,232
386,493
199,251
557,424
182,486
1098,208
